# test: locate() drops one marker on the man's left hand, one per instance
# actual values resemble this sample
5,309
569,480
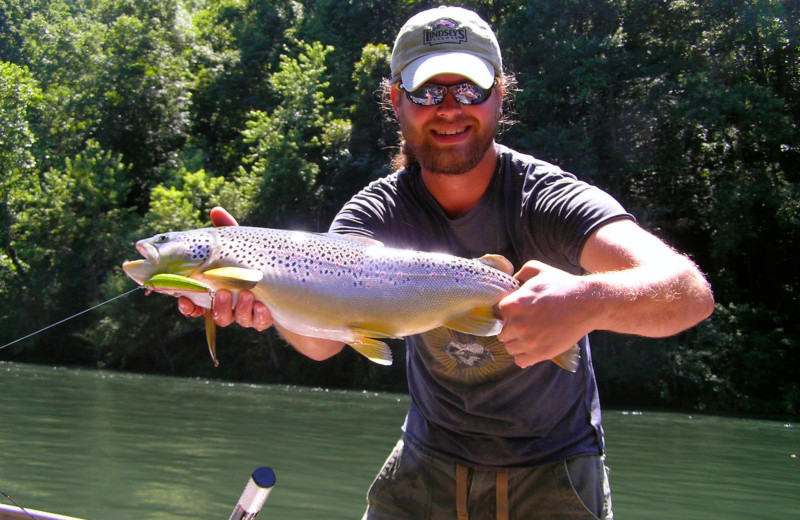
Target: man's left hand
547,315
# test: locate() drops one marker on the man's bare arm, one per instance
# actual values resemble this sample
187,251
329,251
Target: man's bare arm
636,285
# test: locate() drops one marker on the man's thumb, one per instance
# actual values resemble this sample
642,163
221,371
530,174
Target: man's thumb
220,217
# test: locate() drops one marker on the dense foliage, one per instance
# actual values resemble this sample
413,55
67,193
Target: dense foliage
121,118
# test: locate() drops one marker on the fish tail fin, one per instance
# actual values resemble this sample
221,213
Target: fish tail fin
481,321
375,350
569,359
211,336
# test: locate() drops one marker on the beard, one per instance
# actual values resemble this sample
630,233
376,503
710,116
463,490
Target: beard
453,160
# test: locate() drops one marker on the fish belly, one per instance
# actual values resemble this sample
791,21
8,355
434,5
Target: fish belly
375,306
333,287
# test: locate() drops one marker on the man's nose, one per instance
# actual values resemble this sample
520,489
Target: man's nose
449,104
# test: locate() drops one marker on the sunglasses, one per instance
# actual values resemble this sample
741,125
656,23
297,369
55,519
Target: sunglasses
431,94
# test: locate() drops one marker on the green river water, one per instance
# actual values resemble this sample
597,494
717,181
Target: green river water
111,446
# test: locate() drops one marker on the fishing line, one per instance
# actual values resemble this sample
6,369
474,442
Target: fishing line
14,502
69,318
17,505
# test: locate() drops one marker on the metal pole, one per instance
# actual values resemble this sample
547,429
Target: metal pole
254,495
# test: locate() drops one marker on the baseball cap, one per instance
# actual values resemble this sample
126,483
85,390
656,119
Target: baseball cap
446,40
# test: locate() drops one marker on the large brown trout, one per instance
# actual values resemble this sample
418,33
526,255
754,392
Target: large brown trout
331,286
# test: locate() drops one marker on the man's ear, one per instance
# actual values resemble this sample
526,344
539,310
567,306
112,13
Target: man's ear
395,101
500,87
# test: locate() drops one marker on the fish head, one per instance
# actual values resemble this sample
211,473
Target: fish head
180,253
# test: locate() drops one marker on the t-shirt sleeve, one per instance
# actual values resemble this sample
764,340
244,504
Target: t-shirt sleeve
364,215
563,212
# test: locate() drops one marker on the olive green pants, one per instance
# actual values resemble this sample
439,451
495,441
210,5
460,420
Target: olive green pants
415,484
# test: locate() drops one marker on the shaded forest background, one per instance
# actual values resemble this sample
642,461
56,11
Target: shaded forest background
123,118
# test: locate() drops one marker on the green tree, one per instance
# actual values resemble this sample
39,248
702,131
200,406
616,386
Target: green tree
19,94
294,149
186,203
349,27
566,57
19,183
11,14
119,119
711,165
374,134
151,339
68,239
237,45
117,73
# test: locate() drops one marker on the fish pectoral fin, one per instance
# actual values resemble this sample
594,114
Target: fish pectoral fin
373,349
211,336
569,360
235,277
478,322
498,262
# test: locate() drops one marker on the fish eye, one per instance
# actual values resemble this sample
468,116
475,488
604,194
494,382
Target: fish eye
162,238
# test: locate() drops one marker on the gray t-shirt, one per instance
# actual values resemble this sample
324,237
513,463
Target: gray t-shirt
469,401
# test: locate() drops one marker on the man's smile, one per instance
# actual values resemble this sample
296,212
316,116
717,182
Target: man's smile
451,132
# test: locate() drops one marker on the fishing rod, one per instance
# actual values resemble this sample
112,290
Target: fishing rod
22,509
249,505
70,317
254,495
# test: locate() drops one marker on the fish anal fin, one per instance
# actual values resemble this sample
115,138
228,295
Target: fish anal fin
569,360
366,344
370,332
478,322
498,262
235,277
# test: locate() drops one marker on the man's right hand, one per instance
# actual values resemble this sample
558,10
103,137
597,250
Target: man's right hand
248,312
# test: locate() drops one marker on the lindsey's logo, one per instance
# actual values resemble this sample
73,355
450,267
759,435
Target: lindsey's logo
444,30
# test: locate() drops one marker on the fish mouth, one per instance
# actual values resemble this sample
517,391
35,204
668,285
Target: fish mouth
148,251
156,261
142,270
139,270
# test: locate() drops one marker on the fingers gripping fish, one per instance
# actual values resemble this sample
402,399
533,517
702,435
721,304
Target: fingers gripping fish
330,286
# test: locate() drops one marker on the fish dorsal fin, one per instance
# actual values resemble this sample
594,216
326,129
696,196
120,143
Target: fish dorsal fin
478,322
569,359
498,262
373,349
355,238
236,277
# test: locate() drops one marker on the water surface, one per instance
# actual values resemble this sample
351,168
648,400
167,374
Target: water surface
111,446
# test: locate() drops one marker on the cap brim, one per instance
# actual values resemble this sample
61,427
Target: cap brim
478,70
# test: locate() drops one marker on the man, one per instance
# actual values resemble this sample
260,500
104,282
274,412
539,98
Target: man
494,429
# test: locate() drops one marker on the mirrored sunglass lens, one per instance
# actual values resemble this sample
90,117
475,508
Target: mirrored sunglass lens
428,95
465,93
468,94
